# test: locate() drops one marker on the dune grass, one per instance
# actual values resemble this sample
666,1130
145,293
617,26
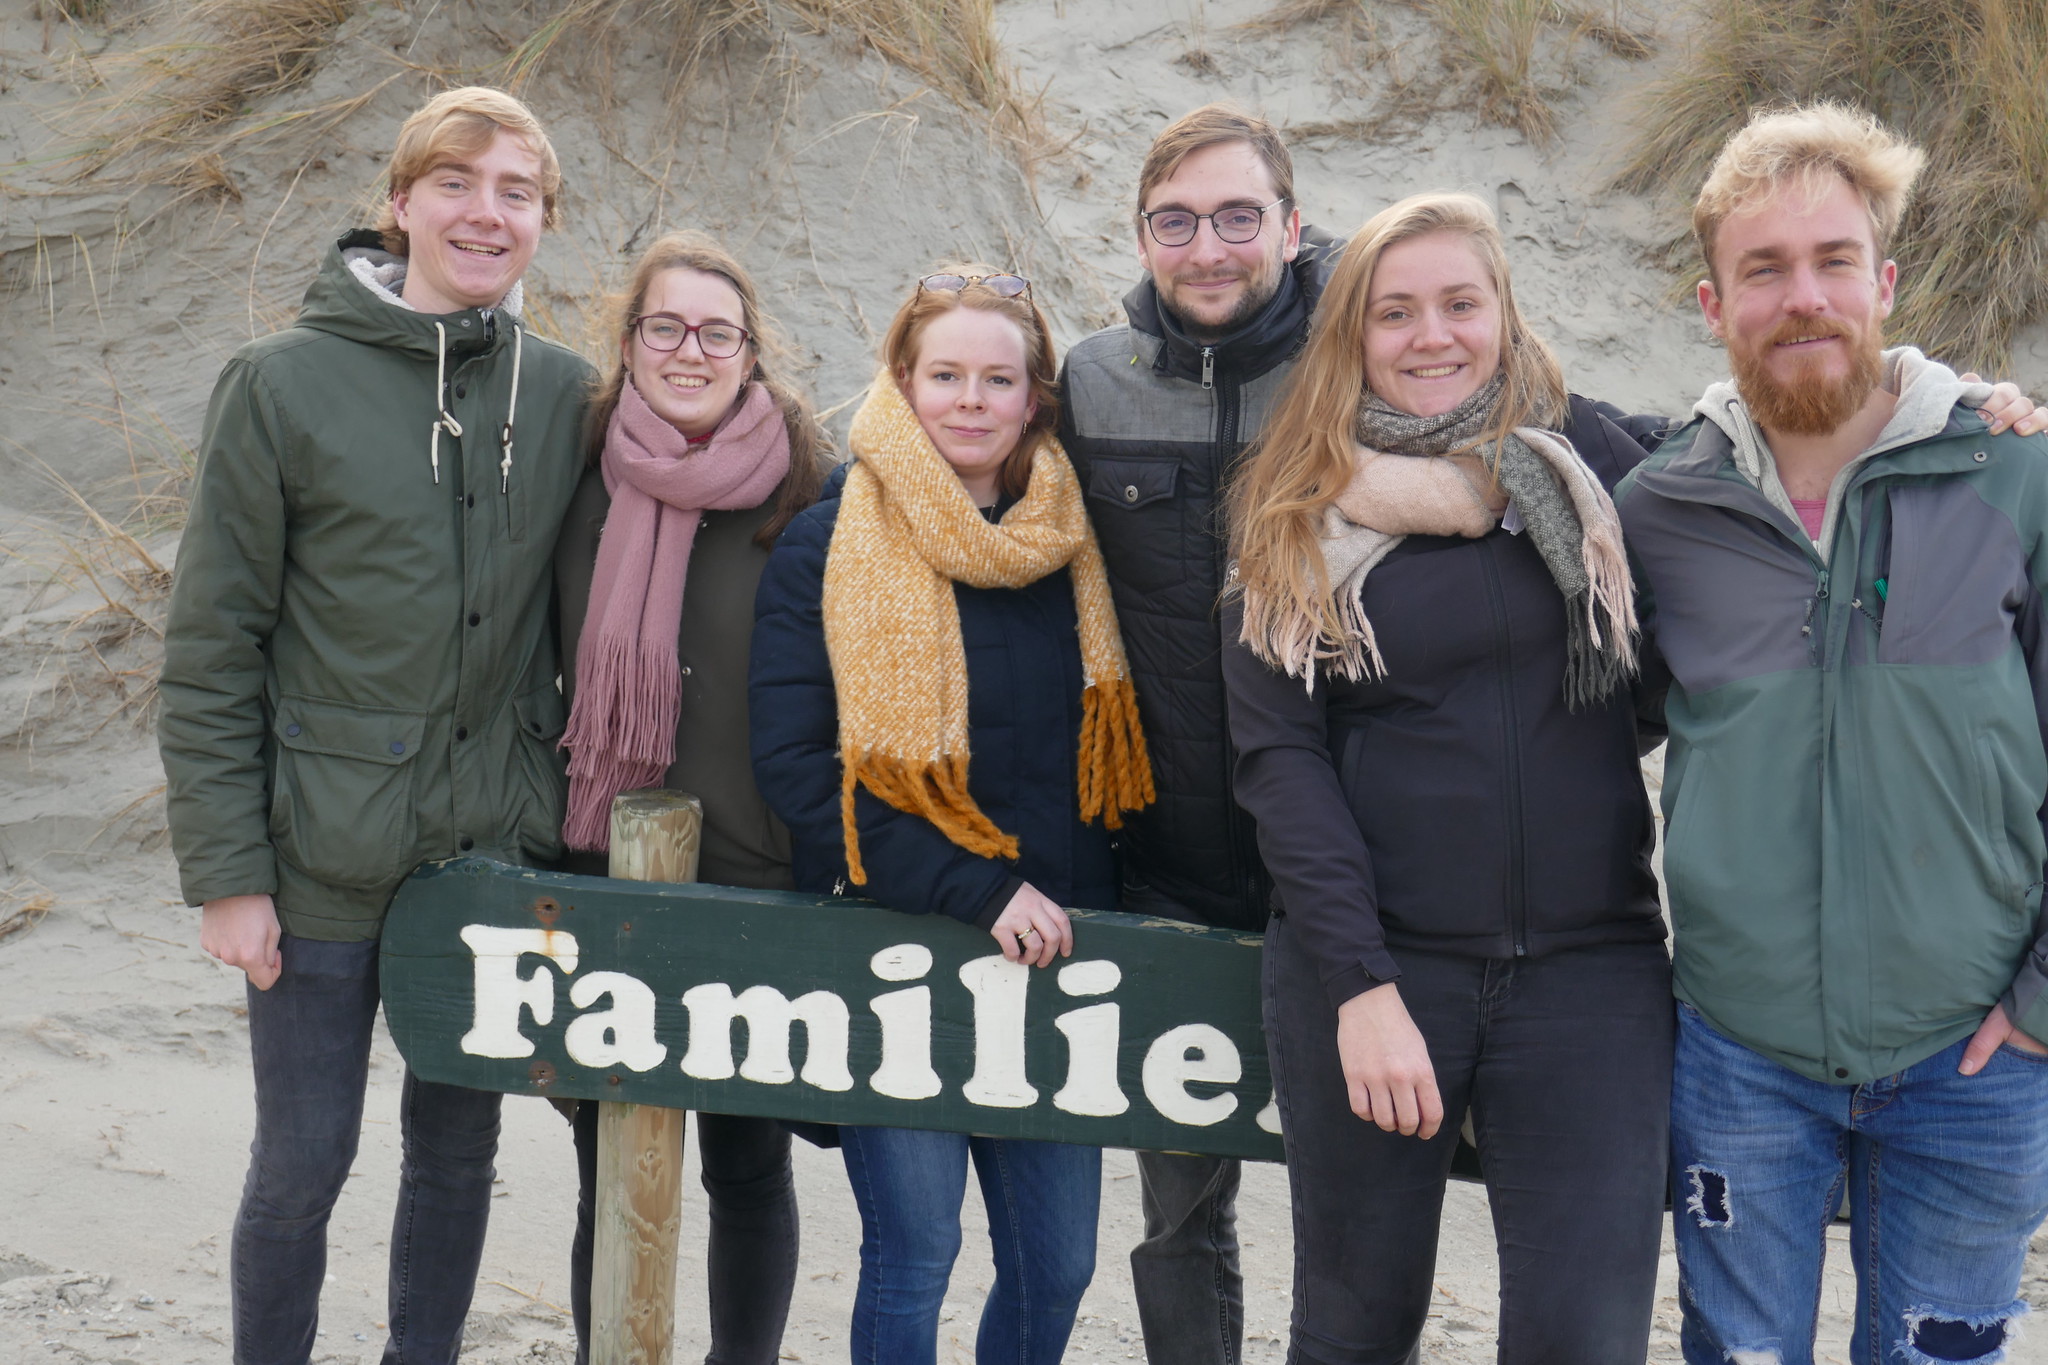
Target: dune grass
172,111
1961,77
1514,61
950,44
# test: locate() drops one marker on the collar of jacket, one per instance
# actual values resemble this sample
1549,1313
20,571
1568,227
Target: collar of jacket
339,303
1276,333
1696,463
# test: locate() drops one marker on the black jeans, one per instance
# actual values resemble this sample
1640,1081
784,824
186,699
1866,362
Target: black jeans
1564,1062
751,1264
1185,1273
309,1038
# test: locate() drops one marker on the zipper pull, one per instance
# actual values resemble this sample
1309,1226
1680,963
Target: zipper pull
1208,367
1823,592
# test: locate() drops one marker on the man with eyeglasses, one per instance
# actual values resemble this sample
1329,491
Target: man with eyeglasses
1154,413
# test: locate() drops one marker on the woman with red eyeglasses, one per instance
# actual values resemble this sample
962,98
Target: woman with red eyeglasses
948,599
700,454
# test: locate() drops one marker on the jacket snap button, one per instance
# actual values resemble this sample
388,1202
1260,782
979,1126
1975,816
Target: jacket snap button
686,670
462,390
465,322
469,499
397,746
1130,492
462,732
465,843
1980,457
475,619
291,730
1841,1073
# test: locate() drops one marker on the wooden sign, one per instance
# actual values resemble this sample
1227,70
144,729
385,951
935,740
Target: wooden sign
827,1009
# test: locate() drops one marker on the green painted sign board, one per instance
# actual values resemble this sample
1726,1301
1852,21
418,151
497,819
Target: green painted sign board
824,1009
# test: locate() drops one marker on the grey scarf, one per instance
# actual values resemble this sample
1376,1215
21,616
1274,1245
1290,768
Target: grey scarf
1557,497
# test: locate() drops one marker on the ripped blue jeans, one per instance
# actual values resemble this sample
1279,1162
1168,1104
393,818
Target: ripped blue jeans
1947,1178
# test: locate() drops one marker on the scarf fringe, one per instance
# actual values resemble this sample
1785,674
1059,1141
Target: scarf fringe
933,789
1113,765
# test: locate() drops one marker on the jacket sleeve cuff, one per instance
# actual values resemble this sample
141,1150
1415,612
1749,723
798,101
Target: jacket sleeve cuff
992,909
2026,1003
1356,978
254,875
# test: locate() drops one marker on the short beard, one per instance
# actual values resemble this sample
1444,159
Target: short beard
1259,292
1807,405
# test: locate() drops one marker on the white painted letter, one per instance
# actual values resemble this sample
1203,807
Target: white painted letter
1092,1037
769,1015
1192,1052
906,1071
1269,1117
998,986
500,990
620,1036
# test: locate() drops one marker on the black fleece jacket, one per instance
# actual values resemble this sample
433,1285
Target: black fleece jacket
1456,805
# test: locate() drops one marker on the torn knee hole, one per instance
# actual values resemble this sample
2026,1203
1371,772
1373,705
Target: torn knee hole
1709,1199
1935,1336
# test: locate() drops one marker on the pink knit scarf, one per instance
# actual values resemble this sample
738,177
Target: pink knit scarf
622,729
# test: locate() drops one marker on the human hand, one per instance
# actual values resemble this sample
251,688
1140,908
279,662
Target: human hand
1997,1028
1032,929
1386,1064
242,932
2008,407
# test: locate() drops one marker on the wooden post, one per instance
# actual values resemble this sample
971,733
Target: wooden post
655,838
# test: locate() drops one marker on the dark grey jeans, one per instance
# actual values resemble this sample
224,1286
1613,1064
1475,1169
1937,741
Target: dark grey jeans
1185,1273
751,1263
309,1037
1564,1063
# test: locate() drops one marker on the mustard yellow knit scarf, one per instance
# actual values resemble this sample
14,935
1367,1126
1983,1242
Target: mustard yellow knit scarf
907,531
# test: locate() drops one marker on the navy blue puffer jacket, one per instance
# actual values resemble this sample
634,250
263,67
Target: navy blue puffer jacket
1024,722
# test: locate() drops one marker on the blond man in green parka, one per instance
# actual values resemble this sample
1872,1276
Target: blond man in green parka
359,675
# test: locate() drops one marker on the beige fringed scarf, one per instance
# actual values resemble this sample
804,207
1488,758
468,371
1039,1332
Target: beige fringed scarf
907,531
1413,485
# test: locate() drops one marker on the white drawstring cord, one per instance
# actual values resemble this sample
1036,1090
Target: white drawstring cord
511,412
446,421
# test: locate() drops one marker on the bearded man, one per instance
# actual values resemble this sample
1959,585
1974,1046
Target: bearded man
1843,567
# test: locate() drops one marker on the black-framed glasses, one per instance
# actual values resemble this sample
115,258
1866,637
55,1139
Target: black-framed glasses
1007,285
1236,225
665,332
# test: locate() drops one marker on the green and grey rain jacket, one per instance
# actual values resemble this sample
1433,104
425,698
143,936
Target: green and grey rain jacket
359,666
1854,788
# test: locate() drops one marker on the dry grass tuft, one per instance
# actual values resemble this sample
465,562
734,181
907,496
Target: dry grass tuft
950,44
1515,61
112,645
173,111
1961,77
26,911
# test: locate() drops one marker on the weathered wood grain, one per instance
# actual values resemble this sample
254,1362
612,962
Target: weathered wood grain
655,837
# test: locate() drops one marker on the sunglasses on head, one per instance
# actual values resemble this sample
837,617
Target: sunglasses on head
1006,285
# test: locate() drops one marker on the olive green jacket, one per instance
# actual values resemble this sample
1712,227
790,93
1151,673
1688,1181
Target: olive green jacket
359,664
744,844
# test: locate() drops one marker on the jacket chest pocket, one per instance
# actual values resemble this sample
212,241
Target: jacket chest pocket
342,806
1140,521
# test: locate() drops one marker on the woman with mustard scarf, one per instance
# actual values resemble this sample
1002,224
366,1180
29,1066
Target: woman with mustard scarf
949,600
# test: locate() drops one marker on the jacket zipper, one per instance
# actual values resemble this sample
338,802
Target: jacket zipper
1518,910
1233,814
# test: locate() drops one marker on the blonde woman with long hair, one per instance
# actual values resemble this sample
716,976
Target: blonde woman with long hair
1430,692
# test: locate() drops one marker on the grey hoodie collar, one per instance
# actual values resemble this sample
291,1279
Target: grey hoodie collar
1927,390
383,274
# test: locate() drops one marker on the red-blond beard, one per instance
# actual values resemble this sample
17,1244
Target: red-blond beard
1807,404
